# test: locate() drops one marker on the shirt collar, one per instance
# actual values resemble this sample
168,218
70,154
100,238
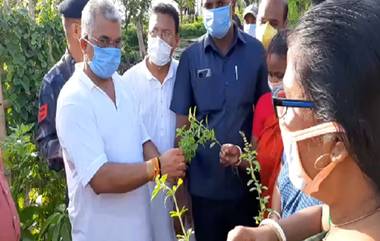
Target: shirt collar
238,37
88,83
149,76
83,76
68,57
85,79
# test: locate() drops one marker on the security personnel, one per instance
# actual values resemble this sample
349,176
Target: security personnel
53,81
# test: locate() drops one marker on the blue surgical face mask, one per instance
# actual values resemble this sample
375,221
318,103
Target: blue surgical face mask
217,21
105,61
250,29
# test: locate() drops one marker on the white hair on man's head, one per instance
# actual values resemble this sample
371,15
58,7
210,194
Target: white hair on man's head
110,10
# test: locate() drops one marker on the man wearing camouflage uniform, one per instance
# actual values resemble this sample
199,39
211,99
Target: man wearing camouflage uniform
53,81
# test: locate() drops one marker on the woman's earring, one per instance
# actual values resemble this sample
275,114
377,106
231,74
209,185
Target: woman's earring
322,161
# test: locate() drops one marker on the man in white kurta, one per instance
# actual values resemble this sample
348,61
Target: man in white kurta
152,82
160,123
108,156
93,131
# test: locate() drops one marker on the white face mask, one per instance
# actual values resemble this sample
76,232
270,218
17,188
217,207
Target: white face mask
297,173
250,29
159,51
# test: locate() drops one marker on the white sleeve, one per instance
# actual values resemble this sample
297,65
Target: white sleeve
80,139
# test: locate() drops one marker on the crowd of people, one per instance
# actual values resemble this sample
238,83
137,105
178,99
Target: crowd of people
305,97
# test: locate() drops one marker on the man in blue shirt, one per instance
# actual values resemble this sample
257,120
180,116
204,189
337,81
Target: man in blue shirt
223,75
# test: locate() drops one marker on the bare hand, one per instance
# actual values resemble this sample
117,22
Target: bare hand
241,233
229,155
173,163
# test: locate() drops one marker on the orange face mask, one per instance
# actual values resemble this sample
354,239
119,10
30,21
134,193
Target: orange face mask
297,174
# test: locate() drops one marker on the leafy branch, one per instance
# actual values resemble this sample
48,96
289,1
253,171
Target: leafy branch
195,134
179,213
249,154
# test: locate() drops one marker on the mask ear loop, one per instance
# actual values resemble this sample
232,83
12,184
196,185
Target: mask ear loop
322,161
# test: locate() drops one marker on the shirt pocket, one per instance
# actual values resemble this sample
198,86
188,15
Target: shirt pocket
209,93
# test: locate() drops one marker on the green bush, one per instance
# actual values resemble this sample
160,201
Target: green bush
38,192
192,30
28,48
296,10
130,50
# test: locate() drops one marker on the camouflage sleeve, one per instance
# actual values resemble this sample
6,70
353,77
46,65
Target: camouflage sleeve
47,140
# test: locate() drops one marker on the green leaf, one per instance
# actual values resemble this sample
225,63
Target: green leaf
52,220
179,182
174,214
66,230
57,229
156,191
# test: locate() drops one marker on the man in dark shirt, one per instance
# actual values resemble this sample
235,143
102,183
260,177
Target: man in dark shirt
53,82
223,75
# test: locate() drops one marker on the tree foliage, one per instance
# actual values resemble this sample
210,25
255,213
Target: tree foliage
296,9
27,51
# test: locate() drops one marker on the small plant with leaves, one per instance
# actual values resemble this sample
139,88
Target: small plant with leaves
179,212
195,134
249,154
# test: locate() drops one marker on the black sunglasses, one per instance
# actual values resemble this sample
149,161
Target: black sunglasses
281,105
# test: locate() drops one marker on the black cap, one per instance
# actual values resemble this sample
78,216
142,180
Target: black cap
72,8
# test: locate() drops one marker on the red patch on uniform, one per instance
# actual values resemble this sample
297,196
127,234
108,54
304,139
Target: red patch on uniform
42,113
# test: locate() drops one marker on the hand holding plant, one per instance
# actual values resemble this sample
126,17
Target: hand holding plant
173,163
229,155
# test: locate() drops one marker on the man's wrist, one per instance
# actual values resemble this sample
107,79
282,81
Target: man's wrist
239,159
153,168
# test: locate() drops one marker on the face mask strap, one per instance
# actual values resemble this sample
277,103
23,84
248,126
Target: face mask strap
88,41
318,130
315,184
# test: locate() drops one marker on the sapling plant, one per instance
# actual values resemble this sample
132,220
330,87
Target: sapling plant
194,135
249,154
190,138
178,212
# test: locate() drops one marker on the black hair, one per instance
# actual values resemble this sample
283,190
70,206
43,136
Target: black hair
286,10
315,2
169,9
336,52
279,44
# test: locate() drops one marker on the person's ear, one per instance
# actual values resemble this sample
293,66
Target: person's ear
76,30
83,45
339,152
177,40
